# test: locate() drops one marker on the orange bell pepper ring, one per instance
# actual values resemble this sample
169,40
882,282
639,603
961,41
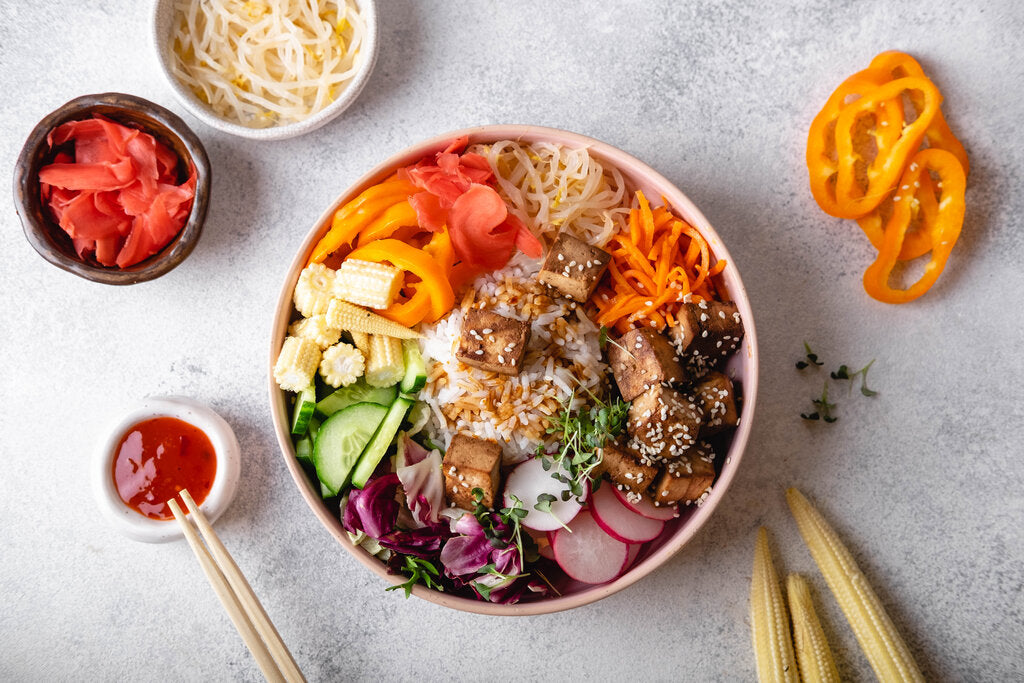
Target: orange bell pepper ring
923,211
944,230
939,135
822,163
356,215
441,248
411,311
860,186
394,217
434,279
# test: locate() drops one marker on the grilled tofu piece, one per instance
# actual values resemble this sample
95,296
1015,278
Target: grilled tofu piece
664,423
493,342
706,332
574,267
471,463
685,480
623,466
718,401
641,359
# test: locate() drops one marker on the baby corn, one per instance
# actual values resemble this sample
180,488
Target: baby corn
374,285
385,365
769,621
812,651
344,316
878,638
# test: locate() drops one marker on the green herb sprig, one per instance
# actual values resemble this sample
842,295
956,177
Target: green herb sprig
581,433
419,571
812,358
823,408
512,519
844,373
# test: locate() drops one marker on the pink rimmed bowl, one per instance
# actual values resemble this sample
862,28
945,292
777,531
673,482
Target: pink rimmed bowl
743,366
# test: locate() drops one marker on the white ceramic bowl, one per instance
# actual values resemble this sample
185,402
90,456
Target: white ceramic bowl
225,481
162,22
743,365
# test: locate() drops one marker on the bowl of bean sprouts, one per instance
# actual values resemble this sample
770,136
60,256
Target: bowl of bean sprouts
266,69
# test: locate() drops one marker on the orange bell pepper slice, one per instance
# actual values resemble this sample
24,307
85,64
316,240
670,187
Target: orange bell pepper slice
394,217
900,64
356,215
944,230
923,207
822,163
853,200
412,311
434,279
441,248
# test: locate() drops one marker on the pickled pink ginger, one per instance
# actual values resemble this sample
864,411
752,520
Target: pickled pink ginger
116,195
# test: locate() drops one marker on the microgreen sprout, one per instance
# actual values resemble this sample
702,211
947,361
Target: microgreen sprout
844,373
419,571
504,528
824,408
812,358
582,434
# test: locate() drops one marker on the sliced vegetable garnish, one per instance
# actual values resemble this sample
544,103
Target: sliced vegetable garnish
944,231
117,196
655,265
881,642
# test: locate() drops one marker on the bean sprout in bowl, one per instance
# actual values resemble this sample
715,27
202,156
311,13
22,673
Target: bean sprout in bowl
266,70
579,376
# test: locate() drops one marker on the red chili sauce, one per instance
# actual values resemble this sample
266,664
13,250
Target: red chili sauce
158,458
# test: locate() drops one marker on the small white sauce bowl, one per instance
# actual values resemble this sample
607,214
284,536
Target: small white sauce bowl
162,24
225,482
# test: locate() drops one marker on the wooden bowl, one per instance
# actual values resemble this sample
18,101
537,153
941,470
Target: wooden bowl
743,364
52,243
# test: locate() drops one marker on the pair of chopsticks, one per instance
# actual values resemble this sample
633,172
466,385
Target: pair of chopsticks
242,605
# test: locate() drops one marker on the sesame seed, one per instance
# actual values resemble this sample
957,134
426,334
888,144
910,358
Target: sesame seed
488,330
896,198
561,258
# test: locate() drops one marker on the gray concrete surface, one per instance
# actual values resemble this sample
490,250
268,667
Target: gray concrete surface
924,481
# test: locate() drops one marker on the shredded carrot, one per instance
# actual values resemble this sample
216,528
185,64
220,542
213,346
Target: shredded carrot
658,265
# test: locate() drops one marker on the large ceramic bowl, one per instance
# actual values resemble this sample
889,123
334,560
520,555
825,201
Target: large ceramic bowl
743,365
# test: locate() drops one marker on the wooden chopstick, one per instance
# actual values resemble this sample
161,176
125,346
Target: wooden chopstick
237,596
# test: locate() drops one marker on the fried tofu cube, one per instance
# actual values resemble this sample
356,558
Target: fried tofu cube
641,359
574,267
493,342
707,331
624,467
685,480
718,401
471,463
664,423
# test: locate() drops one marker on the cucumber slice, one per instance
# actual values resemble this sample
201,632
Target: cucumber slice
304,449
415,368
357,392
381,442
342,439
314,427
305,404
325,492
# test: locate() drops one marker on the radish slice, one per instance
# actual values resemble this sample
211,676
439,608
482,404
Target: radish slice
619,521
527,482
634,550
588,554
645,508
